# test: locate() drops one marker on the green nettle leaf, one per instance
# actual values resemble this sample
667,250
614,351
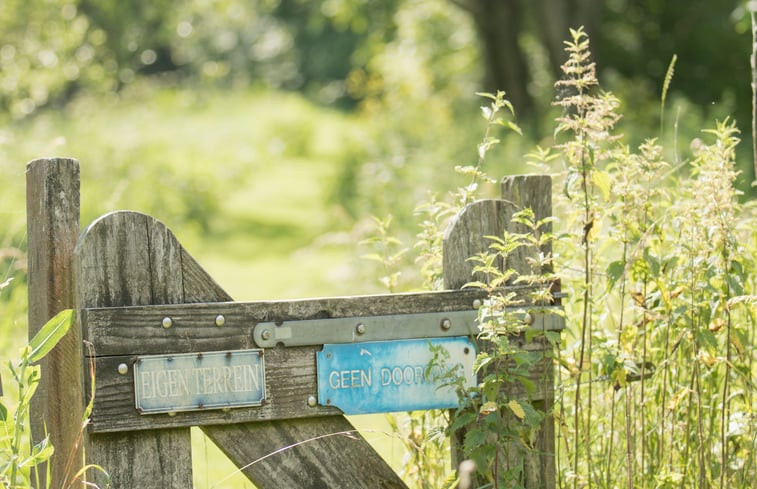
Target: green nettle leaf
615,272
553,337
462,420
516,408
488,408
735,284
653,262
50,334
41,452
602,180
474,439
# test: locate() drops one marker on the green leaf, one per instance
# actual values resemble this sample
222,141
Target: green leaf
3,412
474,438
487,95
615,272
41,452
463,420
514,127
488,408
602,180
373,257
554,338
516,408
50,334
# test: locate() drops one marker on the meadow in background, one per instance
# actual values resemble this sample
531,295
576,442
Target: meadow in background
271,182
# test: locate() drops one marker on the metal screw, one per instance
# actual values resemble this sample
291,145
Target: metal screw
167,322
220,320
446,324
476,304
360,328
123,369
266,335
312,401
528,318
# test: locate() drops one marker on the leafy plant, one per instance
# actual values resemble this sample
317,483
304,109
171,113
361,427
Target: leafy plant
663,250
656,367
22,461
499,421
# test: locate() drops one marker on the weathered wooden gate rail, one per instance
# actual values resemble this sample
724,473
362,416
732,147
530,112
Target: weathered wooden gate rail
139,293
119,335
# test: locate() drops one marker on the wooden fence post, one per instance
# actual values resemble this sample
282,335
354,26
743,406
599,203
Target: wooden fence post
52,209
130,259
465,238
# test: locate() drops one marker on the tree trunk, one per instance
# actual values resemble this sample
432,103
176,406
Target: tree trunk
498,25
555,18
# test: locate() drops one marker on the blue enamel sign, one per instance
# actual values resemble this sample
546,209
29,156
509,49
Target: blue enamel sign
198,381
387,376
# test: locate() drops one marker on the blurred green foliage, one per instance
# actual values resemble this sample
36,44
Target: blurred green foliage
413,62
186,110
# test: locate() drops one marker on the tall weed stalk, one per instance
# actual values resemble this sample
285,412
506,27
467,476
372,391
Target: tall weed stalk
657,363
664,251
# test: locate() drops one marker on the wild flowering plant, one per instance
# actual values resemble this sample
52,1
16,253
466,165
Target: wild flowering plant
23,463
656,367
499,422
21,459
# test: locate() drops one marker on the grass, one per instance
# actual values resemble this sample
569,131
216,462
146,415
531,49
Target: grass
245,180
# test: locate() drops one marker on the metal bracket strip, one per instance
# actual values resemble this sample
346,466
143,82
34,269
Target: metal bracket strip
383,328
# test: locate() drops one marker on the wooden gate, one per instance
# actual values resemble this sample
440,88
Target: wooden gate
141,297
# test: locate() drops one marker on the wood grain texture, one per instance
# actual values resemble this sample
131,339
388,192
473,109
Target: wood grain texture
290,378
52,210
120,334
113,255
465,238
139,330
307,455
123,259
331,460
534,192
